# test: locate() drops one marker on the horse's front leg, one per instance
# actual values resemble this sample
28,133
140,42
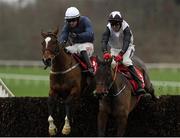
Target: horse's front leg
66,128
102,120
121,118
51,107
68,102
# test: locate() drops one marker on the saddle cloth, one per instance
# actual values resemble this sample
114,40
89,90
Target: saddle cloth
83,64
123,69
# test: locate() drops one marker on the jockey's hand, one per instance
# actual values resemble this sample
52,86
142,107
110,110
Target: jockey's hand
107,56
118,58
73,35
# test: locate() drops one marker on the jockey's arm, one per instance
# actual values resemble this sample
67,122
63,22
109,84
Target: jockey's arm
63,36
105,39
126,40
88,34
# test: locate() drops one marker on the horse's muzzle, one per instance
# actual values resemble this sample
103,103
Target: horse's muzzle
47,62
101,91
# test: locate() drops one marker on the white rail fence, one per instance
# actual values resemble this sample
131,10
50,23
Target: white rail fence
23,63
4,91
36,63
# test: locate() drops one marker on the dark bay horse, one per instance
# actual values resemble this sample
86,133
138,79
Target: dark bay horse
67,82
117,99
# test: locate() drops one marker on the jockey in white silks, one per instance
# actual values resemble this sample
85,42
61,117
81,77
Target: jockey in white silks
118,40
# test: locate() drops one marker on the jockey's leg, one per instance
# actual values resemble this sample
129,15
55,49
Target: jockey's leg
88,62
134,74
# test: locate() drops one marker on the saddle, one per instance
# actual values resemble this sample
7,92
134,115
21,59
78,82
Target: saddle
93,60
125,71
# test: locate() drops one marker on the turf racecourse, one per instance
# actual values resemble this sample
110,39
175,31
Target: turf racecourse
27,116
33,81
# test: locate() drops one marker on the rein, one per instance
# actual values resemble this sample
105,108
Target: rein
114,78
65,71
57,52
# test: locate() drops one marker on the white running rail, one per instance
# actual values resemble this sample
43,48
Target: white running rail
4,91
38,63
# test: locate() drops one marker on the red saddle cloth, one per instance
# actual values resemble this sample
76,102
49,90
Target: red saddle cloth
83,64
125,71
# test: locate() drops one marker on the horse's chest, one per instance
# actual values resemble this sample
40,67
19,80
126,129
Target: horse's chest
62,84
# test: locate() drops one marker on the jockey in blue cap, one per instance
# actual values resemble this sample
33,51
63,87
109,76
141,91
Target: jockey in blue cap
79,32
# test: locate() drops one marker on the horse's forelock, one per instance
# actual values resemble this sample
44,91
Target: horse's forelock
103,67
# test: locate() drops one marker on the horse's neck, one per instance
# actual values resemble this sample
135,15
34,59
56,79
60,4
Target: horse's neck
62,61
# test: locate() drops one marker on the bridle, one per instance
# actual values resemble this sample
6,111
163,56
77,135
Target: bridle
56,52
113,77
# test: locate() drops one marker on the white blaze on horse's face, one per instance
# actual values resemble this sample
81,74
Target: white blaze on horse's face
47,54
47,39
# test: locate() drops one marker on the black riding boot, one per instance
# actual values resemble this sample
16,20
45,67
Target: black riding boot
88,62
140,90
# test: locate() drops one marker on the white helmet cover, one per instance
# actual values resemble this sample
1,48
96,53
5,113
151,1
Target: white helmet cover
72,12
115,16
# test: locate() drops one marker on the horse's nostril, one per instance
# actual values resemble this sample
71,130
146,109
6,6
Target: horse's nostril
47,62
101,90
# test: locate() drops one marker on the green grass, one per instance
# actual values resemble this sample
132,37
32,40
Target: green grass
22,70
28,88
165,74
41,88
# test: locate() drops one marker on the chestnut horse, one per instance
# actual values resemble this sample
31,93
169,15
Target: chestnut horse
116,99
67,82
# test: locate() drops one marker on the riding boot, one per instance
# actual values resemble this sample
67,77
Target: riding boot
88,62
140,90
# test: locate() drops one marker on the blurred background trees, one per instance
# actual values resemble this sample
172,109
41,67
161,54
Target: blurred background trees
155,25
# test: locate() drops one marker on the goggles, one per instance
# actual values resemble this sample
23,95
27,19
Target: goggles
115,24
71,20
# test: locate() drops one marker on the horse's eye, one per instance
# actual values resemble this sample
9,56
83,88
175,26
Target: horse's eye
42,43
54,42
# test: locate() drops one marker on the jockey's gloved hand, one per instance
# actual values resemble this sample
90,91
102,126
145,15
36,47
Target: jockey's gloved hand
73,35
107,56
118,58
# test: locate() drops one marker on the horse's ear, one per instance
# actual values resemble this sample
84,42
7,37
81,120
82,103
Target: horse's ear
56,30
44,34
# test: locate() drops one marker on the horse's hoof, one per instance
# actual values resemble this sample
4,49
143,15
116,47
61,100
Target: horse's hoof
66,130
52,131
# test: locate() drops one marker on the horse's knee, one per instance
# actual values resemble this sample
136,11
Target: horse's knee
122,113
121,119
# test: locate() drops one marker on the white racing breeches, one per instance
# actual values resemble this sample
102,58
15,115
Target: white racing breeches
77,48
127,61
